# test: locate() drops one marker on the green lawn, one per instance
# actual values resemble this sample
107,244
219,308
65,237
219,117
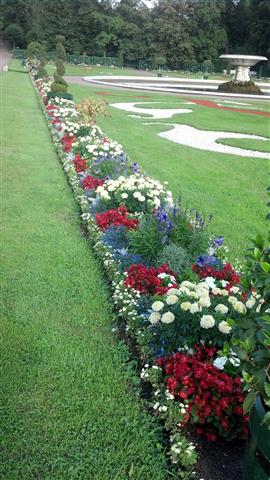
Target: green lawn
67,411
230,187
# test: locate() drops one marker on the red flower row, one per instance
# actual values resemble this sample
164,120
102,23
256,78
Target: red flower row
91,183
214,399
116,217
67,141
147,280
79,163
227,273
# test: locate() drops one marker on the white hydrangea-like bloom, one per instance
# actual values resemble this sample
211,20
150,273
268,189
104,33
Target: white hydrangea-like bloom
187,284
184,290
157,306
194,308
239,307
232,300
207,321
205,301
173,291
235,289
185,306
220,308
171,299
210,281
250,303
154,318
167,317
224,327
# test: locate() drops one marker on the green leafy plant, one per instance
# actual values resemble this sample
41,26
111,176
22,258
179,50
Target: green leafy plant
59,86
176,257
251,337
188,234
146,240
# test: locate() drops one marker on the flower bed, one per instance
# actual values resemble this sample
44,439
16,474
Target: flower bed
172,289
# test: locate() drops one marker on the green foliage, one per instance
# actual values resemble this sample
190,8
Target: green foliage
146,240
240,87
42,72
251,338
192,238
60,67
59,86
208,65
258,269
67,96
33,49
14,34
60,51
176,257
176,30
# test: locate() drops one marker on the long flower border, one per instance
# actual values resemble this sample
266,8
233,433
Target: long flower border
181,452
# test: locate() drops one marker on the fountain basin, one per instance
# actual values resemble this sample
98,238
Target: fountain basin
242,65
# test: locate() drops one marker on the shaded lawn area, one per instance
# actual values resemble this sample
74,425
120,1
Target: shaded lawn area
67,412
232,188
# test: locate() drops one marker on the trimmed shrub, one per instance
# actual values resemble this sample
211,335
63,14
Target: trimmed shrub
59,86
240,87
67,96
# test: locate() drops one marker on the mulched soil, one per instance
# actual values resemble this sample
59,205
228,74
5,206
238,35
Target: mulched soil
219,460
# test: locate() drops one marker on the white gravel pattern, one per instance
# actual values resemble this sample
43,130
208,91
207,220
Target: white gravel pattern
206,140
154,112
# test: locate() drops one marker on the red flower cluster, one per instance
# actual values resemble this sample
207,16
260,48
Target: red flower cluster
50,109
227,273
147,281
79,163
67,141
214,399
91,183
116,217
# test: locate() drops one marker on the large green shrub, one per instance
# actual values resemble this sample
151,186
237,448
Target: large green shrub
240,87
59,86
60,51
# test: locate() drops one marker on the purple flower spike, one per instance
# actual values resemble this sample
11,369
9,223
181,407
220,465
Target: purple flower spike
218,241
135,168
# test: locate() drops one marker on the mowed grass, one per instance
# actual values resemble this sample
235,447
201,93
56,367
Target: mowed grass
230,187
67,411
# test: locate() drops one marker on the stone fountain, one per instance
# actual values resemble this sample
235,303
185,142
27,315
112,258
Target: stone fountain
242,65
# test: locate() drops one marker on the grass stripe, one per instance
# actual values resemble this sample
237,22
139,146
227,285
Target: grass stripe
66,411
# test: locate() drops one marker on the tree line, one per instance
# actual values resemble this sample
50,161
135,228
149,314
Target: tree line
173,32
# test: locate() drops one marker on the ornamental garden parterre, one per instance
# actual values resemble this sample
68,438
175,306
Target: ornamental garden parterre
175,296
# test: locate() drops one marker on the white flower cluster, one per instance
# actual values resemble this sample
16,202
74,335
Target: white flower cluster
137,188
201,296
126,298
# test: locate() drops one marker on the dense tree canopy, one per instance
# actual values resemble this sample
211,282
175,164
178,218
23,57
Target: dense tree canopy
172,32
